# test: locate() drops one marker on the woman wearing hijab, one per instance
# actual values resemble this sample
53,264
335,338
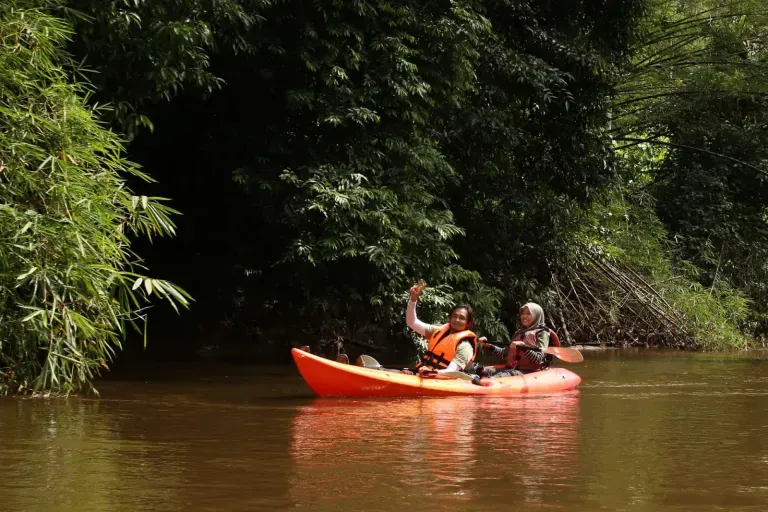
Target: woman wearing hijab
521,355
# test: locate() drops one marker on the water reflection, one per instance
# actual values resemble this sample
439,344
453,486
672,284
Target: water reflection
161,451
67,455
445,451
646,434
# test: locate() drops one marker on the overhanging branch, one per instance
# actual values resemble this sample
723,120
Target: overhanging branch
692,148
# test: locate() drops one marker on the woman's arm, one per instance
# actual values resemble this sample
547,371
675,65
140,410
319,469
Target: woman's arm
414,323
542,341
497,351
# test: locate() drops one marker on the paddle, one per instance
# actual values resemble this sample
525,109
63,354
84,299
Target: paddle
569,355
369,362
454,375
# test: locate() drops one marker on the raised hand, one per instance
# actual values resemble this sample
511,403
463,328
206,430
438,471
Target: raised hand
416,290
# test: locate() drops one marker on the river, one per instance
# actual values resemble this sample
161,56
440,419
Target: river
647,431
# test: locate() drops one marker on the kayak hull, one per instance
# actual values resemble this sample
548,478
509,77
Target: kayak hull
330,378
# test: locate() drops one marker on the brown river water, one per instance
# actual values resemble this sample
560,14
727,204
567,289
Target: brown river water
647,431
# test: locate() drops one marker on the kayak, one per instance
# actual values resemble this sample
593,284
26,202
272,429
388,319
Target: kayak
330,378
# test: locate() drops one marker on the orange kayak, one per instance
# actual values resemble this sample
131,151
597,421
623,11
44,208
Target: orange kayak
329,378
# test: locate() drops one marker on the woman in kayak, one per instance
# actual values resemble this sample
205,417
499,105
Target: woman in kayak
452,346
522,358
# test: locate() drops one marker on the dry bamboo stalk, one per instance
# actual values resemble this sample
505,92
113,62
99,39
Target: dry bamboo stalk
650,288
597,292
577,296
615,275
627,285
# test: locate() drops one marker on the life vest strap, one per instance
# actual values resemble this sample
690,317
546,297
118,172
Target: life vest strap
450,341
433,359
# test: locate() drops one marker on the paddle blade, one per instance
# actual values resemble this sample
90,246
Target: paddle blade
569,355
367,362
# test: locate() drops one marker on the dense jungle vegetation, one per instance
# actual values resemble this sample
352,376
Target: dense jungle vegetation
266,174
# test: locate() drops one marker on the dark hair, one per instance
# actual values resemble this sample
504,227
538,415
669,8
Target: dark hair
470,313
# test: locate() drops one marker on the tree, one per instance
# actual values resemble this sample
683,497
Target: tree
371,138
531,143
698,88
70,284
144,51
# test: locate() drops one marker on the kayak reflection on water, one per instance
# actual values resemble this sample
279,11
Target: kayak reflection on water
430,447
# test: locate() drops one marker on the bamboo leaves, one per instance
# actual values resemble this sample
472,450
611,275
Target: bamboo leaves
68,286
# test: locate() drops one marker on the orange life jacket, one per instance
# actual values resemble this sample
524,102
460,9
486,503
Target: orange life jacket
442,347
517,358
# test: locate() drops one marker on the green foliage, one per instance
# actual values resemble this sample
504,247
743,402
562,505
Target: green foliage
354,163
698,86
531,142
623,227
69,284
444,141
144,51
376,143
